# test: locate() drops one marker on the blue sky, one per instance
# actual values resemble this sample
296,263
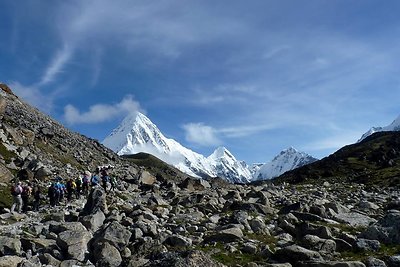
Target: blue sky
253,76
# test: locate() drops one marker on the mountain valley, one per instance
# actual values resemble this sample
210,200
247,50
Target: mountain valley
343,210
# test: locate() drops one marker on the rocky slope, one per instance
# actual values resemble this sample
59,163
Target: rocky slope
155,222
374,161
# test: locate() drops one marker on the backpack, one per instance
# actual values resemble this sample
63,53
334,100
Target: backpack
15,191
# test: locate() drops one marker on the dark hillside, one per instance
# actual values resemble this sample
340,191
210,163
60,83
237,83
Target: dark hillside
374,161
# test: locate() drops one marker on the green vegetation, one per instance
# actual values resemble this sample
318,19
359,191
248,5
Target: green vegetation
156,166
220,254
382,253
263,238
60,156
374,161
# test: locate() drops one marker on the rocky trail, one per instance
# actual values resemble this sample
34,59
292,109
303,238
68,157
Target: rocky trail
156,222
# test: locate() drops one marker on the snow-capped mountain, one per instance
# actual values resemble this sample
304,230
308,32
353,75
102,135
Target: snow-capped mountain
137,134
227,166
287,160
394,126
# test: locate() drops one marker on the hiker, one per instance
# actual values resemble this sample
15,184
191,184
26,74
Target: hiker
25,195
52,193
70,187
95,179
16,191
104,178
113,181
78,182
85,182
36,197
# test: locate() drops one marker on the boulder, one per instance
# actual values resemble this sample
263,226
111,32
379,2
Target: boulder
96,201
225,236
374,262
178,241
326,246
191,184
116,234
9,246
294,254
386,230
93,221
147,178
74,243
8,261
106,254
367,245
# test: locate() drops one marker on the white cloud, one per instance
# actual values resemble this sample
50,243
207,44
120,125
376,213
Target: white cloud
34,96
56,65
200,134
100,112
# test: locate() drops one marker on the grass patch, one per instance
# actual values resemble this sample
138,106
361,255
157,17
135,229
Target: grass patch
220,254
384,252
263,238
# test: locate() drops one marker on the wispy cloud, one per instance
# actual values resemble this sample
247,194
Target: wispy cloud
201,134
100,112
56,65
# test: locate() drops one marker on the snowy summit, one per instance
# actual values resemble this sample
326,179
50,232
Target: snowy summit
137,134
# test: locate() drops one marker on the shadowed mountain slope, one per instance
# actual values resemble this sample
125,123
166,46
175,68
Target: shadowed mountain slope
375,160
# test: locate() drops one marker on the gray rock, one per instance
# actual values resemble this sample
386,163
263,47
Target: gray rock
178,241
294,254
368,245
225,236
115,234
354,219
147,178
326,246
393,261
374,262
107,255
332,264
9,246
96,201
386,230
93,221
258,226
8,261
74,243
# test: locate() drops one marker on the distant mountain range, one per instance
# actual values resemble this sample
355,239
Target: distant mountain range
137,134
394,126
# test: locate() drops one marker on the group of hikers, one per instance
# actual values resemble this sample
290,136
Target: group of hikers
26,195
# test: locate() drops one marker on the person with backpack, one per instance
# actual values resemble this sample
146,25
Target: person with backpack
36,197
71,187
78,182
104,178
25,195
95,179
87,176
52,194
16,191
113,181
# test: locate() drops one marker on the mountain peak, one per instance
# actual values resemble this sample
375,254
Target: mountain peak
287,159
221,152
394,126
